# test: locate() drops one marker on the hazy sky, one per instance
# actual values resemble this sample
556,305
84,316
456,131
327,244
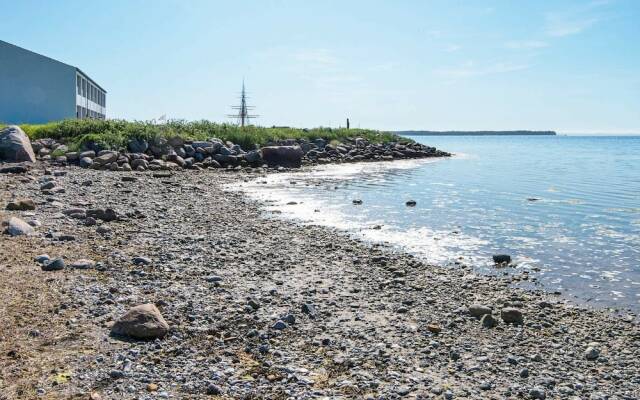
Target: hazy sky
571,66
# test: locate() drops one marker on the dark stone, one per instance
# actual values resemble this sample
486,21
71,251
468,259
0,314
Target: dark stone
502,259
105,214
282,156
21,205
14,169
56,264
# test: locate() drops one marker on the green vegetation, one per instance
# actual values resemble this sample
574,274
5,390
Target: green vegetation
115,134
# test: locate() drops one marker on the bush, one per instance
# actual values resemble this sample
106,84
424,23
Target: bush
116,134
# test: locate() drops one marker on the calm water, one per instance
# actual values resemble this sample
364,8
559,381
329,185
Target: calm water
581,234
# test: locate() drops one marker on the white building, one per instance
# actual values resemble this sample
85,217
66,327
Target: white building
37,89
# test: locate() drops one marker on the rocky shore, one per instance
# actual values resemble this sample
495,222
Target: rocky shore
161,285
176,153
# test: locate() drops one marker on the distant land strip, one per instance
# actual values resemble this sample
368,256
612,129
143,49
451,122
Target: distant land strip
477,133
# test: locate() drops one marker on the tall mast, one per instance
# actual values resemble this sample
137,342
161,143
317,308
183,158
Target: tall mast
243,115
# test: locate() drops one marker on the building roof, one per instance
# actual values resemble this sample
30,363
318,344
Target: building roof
52,59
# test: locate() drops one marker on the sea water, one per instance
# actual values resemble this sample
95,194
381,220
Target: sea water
566,208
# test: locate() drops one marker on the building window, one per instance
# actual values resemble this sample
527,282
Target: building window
78,84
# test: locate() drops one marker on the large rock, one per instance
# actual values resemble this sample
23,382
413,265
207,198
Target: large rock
106,158
138,145
282,156
253,157
17,227
21,205
141,322
15,145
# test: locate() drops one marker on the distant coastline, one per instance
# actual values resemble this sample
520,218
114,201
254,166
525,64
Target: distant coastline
477,133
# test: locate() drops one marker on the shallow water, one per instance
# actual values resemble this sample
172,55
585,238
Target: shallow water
567,209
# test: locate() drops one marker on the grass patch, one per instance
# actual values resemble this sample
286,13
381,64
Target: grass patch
115,134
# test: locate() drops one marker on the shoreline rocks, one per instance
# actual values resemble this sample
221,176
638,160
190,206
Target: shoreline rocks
266,308
175,154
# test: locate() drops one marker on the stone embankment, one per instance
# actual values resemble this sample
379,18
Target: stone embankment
175,153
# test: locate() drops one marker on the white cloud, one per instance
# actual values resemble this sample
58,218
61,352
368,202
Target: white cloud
526,44
452,48
470,69
559,25
576,20
323,57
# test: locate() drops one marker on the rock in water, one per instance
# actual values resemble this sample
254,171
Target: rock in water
141,322
282,156
511,315
502,259
411,203
15,145
17,227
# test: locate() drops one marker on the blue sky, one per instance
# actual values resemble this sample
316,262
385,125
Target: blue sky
571,66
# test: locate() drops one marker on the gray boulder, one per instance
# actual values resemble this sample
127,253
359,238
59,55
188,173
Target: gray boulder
15,145
85,162
138,145
57,264
253,156
478,310
282,156
141,322
17,227
106,158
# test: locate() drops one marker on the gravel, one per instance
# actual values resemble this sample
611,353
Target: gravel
326,323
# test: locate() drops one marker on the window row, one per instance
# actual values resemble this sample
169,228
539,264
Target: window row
86,89
84,113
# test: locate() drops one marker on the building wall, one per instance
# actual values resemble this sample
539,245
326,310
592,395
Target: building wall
33,88
91,100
